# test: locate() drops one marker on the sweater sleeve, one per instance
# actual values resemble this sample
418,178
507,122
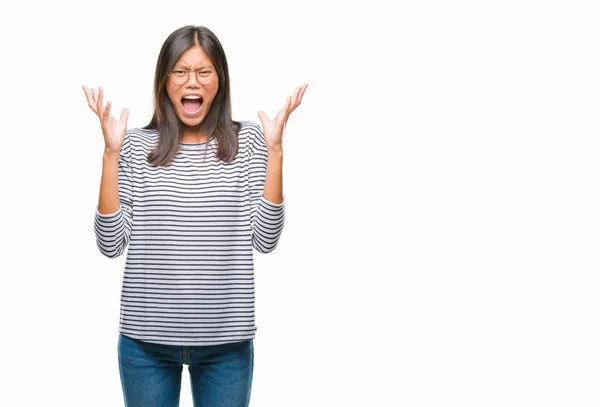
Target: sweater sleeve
113,230
266,217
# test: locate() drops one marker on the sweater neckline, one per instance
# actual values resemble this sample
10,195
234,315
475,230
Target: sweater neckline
195,146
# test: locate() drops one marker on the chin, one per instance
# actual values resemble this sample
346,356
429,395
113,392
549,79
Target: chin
191,121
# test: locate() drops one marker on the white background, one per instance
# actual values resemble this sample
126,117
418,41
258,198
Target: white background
441,183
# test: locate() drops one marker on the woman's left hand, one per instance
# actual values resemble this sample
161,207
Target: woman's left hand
273,129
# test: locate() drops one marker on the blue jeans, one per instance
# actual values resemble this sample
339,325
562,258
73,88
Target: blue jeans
220,375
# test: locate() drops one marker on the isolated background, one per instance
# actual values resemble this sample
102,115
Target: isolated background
441,183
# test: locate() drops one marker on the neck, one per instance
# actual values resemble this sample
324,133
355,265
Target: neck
193,135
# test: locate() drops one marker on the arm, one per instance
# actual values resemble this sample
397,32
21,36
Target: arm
267,203
267,224
113,220
114,215
273,190
108,201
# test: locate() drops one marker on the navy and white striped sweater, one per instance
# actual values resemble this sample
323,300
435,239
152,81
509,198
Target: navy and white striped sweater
189,229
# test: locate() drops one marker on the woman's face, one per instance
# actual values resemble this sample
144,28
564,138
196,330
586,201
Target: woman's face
192,93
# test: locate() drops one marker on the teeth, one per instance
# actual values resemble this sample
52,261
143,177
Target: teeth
191,97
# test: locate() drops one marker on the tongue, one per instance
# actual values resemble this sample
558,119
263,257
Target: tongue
191,105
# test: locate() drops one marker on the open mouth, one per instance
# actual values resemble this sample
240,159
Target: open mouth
192,104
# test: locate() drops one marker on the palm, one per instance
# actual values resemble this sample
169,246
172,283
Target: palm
113,130
114,133
273,128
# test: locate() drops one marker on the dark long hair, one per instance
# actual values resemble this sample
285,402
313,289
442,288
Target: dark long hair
217,123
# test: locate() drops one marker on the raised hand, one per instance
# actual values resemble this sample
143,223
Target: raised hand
113,130
273,129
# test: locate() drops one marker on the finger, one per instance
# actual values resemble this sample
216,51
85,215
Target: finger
88,94
100,101
90,100
263,118
293,101
295,97
301,95
124,116
298,96
287,107
106,113
283,114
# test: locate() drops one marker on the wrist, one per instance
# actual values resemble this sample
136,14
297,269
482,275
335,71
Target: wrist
110,154
276,151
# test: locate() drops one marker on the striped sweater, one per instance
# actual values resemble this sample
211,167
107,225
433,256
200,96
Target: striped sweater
189,229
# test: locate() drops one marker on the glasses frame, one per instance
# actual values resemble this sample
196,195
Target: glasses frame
202,80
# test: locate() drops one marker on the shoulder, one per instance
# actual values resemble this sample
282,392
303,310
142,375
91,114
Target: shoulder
140,140
141,135
251,137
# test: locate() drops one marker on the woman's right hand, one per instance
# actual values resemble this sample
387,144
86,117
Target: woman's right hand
113,130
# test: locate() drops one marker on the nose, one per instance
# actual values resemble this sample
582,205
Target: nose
192,79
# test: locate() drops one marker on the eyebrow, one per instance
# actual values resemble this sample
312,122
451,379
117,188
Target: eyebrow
187,67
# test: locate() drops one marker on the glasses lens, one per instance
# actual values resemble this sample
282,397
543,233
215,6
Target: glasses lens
179,77
205,77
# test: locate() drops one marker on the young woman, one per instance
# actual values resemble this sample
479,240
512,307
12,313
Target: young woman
190,195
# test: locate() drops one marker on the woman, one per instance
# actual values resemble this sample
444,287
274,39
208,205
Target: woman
191,195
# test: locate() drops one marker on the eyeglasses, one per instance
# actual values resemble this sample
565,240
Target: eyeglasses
180,75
